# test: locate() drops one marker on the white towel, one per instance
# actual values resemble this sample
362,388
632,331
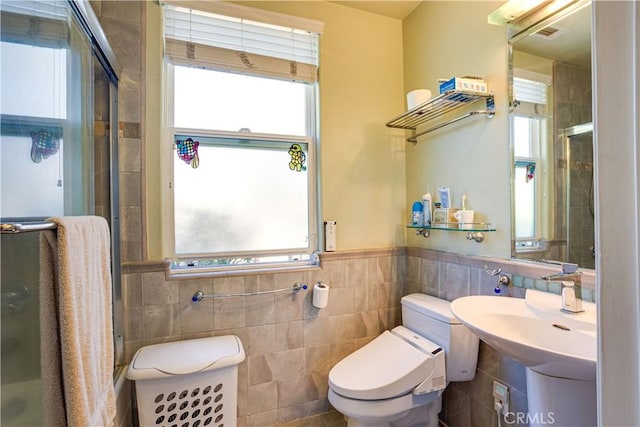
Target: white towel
76,323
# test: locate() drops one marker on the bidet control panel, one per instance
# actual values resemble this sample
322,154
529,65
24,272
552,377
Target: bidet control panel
434,358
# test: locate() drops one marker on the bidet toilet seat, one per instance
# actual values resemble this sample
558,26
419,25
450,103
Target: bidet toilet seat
387,409
392,365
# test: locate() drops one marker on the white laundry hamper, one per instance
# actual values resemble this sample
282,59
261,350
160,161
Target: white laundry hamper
191,383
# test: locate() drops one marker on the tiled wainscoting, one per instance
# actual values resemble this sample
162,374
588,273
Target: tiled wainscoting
291,346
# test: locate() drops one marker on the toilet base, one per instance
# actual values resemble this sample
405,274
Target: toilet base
420,416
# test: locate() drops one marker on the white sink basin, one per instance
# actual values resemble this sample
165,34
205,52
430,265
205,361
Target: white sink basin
535,332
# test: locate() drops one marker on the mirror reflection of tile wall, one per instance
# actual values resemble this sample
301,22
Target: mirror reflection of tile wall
574,219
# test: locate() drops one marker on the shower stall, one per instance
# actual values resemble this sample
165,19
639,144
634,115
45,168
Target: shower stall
580,212
58,154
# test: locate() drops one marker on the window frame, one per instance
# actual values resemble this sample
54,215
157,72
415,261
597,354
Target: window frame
313,191
533,102
525,243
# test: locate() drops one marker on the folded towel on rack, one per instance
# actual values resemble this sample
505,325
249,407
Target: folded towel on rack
76,323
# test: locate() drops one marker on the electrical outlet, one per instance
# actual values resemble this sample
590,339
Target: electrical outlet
501,397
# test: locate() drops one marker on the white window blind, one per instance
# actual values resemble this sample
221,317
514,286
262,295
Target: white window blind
208,40
42,22
530,91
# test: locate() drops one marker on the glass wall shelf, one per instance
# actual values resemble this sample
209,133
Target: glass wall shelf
434,109
475,232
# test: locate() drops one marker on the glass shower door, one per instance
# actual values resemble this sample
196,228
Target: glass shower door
580,212
57,159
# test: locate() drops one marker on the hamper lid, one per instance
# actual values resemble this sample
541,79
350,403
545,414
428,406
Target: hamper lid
185,357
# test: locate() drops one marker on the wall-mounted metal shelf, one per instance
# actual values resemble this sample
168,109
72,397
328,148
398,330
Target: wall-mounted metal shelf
437,107
475,232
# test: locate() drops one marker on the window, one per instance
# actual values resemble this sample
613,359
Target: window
526,141
242,141
528,124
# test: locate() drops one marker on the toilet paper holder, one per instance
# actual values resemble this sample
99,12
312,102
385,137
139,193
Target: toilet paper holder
320,295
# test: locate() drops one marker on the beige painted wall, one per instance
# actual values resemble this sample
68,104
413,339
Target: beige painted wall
446,39
529,62
361,88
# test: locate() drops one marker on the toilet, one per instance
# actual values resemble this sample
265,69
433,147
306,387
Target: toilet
397,379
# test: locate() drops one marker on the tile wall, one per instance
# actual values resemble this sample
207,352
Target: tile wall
289,344
123,24
574,164
449,276
469,403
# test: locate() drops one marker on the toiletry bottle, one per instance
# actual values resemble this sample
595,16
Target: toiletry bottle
445,197
416,213
426,209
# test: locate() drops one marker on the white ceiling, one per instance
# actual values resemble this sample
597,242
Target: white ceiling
398,9
573,46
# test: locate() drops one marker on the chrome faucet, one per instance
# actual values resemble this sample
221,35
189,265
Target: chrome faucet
571,289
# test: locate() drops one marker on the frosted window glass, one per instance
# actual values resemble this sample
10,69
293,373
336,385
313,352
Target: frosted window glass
522,136
240,199
205,99
34,87
33,81
524,203
29,189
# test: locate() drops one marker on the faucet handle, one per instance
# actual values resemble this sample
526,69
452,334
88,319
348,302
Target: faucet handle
569,268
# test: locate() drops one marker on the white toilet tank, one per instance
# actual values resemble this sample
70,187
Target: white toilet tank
431,317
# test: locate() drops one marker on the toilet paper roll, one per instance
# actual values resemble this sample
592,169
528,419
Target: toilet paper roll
320,295
417,97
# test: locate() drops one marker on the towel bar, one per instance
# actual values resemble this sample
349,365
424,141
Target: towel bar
198,296
24,227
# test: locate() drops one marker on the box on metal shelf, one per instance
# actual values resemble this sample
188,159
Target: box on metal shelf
467,84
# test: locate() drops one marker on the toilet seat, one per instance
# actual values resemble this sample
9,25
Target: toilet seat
391,365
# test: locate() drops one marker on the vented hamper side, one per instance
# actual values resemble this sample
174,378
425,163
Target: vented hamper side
193,400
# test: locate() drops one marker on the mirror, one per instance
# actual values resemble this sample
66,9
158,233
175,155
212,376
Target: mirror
551,140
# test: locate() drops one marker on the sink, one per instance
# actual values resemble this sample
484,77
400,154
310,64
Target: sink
558,350
535,332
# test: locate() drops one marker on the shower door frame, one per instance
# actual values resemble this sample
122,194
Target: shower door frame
104,54
567,134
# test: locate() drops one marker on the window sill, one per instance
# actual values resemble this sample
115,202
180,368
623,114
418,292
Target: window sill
196,273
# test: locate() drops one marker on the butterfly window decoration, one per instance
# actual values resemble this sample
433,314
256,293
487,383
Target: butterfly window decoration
187,151
44,144
530,172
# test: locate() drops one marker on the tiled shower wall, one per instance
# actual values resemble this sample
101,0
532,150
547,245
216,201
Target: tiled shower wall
574,216
123,24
